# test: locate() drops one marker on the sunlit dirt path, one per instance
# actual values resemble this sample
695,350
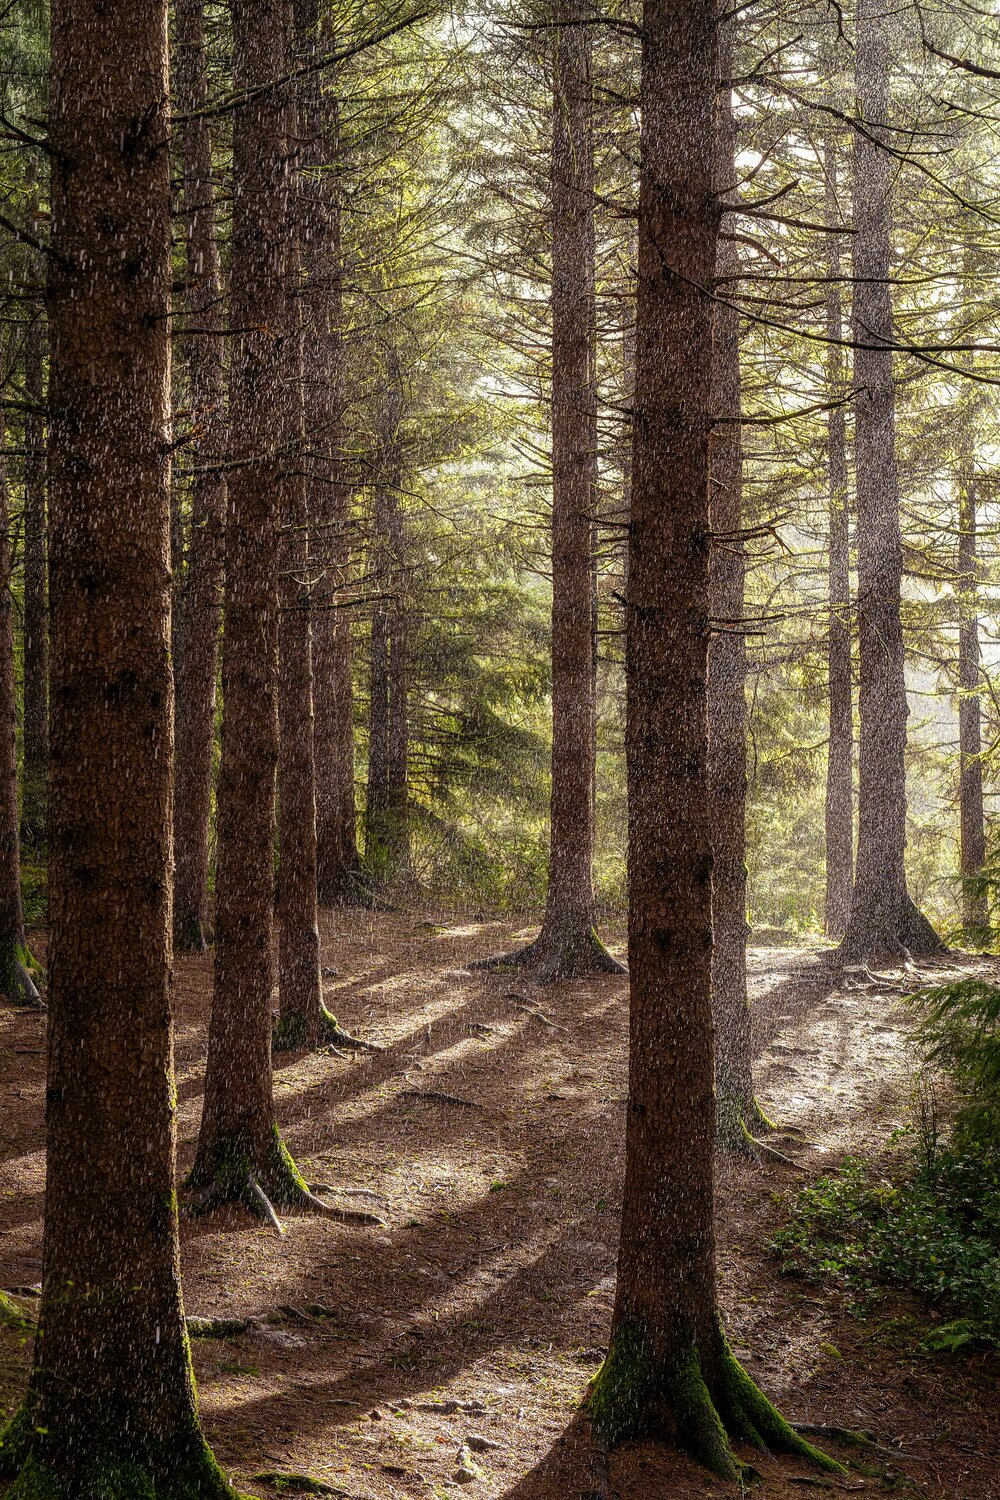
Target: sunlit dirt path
449,1352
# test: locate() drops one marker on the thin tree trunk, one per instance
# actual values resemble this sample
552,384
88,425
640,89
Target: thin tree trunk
241,1156
738,1110
972,827
338,864
303,1020
669,1369
883,921
568,943
839,775
110,1408
199,597
13,974
387,847
36,615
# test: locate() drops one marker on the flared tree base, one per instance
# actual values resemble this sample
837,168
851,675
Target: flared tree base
17,975
562,950
261,1183
881,931
183,1469
634,1396
296,1032
192,936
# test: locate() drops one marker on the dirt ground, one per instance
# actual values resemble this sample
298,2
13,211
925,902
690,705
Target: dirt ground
492,1127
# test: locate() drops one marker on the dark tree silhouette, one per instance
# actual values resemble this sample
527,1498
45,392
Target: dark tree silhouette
883,921
669,1368
110,1408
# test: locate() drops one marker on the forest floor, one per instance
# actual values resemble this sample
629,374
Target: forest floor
493,1125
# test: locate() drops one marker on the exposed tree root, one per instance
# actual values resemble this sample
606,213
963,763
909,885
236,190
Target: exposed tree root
218,1328
294,1032
563,953
17,982
629,1392
276,1184
888,931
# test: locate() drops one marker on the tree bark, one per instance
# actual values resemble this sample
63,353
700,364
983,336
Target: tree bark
12,947
387,838
738,1111
972,827
110,1408
839,769
568,944
669,1369
300,984
199,591
35,771
241,1156
883,921
329,487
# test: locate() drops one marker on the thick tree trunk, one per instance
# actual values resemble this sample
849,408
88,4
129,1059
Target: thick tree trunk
16,984
972,827
669,1369
110,1408
338,864
883,921
241,1156
738,1111
568,944
35,772
199,591
839,775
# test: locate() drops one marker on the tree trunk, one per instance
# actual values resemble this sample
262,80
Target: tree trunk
387,839
36,616
839,776
568,944
303,1019
972,828
669,1369
738,1111
110,1408
241,1156
338,864
883,921
196,628
13,956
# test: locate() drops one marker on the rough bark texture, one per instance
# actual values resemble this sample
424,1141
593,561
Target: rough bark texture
240,1153
883,921
668,1367
300,984
35,770
972,828
839,773
329,487
110,1408
199,589
738,1111
568,944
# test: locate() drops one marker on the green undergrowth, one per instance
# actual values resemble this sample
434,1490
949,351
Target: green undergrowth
923,1222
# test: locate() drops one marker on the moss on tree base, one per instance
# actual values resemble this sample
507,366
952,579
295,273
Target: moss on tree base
183,1470
633,1396
232,1176
292,1034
